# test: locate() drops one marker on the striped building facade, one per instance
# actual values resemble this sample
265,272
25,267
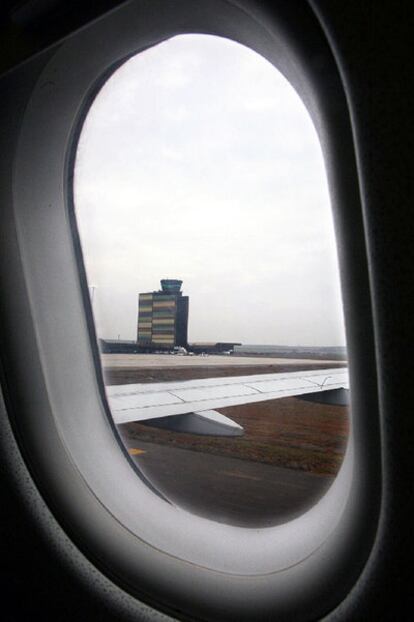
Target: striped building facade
163,317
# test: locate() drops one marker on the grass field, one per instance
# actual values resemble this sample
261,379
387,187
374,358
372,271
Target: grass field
288,432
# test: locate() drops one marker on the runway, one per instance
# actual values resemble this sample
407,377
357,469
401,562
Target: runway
137,368
228,490
174,360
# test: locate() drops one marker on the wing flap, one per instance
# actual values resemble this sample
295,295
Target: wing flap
204,423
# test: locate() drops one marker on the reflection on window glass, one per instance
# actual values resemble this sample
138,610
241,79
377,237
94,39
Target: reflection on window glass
204,216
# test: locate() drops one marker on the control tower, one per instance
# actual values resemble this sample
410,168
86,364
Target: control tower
163,316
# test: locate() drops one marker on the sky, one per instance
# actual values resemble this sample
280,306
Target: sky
198,161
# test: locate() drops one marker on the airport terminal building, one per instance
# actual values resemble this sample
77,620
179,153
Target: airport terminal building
163,317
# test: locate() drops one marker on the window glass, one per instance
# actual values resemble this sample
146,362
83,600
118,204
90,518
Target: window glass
204,216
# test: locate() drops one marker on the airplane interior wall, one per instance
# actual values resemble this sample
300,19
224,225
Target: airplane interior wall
43,574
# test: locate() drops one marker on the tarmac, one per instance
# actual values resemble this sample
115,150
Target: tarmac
176,360
228,490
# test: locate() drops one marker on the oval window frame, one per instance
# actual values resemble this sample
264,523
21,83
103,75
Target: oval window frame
41,231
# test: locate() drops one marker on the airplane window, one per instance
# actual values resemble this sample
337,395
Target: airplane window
204,217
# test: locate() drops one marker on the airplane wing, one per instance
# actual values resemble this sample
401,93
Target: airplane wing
190,405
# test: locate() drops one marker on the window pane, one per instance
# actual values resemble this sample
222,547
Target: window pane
204,216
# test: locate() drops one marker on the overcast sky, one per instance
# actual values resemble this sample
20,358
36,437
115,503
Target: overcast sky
198,161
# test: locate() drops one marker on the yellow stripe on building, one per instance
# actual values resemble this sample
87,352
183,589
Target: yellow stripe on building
163,304
162,339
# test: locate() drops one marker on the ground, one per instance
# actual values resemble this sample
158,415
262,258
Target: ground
134,368
288,432
287,458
